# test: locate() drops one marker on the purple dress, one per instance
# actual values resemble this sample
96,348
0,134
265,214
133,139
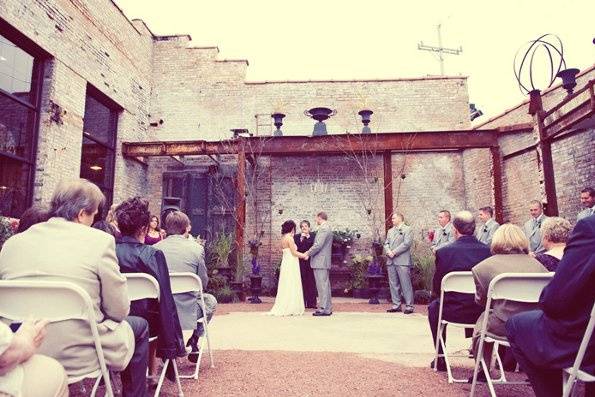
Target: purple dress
548,261
152,240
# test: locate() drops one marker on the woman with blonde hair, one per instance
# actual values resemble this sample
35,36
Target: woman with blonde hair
554,234
510,249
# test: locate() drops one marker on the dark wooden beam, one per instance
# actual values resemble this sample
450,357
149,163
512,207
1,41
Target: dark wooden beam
497,183
388,189
240,205
328,144
547,164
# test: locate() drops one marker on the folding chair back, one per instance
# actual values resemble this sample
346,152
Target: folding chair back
185,282
519,287
458,282
54,301
571,374
141,286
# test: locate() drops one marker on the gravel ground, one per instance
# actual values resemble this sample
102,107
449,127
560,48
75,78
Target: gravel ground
257,373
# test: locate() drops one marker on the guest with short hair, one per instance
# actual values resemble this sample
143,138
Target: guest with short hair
588,202
154,233
111,219
106,227
554,233
67,249
444,234
184,255
547,340
532,227
32,216
486,232
510,248
460,256
134,256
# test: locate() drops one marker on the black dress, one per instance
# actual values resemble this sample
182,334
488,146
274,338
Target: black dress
308,282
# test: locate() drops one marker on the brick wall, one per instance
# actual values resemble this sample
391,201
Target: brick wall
90,42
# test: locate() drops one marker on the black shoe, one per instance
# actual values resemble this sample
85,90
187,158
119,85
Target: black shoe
441,365
321,314
408,310
193,355
481,378
394,310
170,374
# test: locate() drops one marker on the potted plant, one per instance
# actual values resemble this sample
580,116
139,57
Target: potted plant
224,295
422,275
342,242
359,266
221,248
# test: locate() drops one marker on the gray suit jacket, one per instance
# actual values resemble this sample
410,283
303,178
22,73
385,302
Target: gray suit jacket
485,233
585,213
533,233
442,236
399,240
320,253
185,255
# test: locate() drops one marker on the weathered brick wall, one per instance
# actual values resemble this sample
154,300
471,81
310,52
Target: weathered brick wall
574,169
90,42
477,173
200,97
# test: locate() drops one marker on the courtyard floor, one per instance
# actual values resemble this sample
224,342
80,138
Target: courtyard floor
360,350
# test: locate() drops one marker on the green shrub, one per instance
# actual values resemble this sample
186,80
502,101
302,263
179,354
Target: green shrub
423,272
359,267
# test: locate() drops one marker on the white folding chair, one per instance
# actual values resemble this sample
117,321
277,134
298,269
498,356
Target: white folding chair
55,301
461,282
144,286
190,282
518,287
574,373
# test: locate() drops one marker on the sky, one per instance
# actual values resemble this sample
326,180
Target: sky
374,39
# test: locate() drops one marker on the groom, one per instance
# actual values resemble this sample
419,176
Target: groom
320,254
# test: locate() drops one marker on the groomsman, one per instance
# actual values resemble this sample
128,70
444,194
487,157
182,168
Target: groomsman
444,234
397,248
485,233
588,201
532,227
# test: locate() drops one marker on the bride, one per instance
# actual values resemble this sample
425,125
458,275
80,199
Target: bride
289,300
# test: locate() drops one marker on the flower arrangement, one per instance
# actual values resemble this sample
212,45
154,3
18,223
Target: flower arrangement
344,237
255,243
8,227
359,266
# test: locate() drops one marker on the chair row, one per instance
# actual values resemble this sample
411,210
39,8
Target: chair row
519,287
59,301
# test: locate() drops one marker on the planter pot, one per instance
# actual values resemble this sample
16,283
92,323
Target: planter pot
361,293
255,288
374,287
225,299
422,297
238,288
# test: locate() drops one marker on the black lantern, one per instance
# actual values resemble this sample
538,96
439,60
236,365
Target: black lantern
568,77
365,114
320,115
278,122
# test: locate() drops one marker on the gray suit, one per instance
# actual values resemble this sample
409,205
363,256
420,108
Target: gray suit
485,234
399,240
585,213
532,229
320,260
442,236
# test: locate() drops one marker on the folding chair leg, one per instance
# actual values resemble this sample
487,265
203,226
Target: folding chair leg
208,338
486,371
497,359
96,385
451,378
161,378
180,392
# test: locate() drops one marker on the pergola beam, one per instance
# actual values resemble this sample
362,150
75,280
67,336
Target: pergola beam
328,144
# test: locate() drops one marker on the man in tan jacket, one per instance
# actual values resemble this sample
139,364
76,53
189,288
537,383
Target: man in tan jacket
65,248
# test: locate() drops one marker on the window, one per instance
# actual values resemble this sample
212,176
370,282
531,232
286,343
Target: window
21,64
99,141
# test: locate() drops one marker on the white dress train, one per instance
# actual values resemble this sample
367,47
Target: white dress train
289,300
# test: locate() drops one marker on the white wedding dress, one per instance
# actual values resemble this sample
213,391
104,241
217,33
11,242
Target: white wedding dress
289,300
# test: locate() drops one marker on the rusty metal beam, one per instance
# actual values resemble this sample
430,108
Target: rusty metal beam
547,164
497,184
240,206
328,144
388,189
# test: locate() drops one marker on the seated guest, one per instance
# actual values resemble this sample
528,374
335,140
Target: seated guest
24,373
547,340
510,249
65,248
105,226
32,216
184,255
459,256
588,202
111,219
554,233
134,256
154,233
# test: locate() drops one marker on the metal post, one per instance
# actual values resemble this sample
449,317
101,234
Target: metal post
388,189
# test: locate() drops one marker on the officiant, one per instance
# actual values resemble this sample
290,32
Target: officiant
304,242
